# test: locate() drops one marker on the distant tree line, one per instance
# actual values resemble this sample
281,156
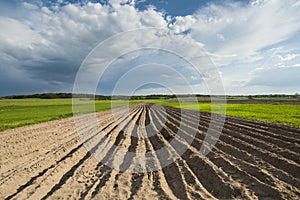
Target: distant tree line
296,95
153,96
57,96
41,96
141,97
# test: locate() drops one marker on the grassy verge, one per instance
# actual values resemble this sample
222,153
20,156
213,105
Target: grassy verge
275,113
19,112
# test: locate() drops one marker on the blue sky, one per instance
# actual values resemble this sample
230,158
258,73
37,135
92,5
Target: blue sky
254,44
179,7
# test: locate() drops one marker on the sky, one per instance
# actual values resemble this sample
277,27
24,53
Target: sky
150,46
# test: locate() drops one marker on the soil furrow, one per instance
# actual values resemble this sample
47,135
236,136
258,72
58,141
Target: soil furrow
62,160
277,132
273,157
107,148
237,152
59,148
119,138
258,173
272,144
150,152
208,172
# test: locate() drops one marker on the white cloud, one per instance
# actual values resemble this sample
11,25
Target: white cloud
54,40
49,45
256,2
247,29
296,65
242,38
287,57
71,31
29,6
182,24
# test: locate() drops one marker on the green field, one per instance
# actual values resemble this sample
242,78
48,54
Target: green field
20,112
276,113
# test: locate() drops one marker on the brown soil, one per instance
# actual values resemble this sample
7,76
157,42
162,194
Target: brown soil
251,160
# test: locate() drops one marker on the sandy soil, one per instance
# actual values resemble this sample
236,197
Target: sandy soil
251,160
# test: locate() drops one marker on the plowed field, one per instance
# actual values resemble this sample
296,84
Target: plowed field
251,160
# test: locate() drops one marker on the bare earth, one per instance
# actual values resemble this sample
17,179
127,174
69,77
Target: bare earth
252,160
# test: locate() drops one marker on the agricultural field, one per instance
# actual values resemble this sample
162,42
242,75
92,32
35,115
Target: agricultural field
20,112
251,160
149,100
283,113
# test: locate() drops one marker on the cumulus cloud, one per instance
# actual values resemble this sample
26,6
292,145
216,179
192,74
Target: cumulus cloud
182,23
244,30
46,42
50,43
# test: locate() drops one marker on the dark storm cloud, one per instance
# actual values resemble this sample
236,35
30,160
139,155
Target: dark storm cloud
157,64
48,43
54,70
14,81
